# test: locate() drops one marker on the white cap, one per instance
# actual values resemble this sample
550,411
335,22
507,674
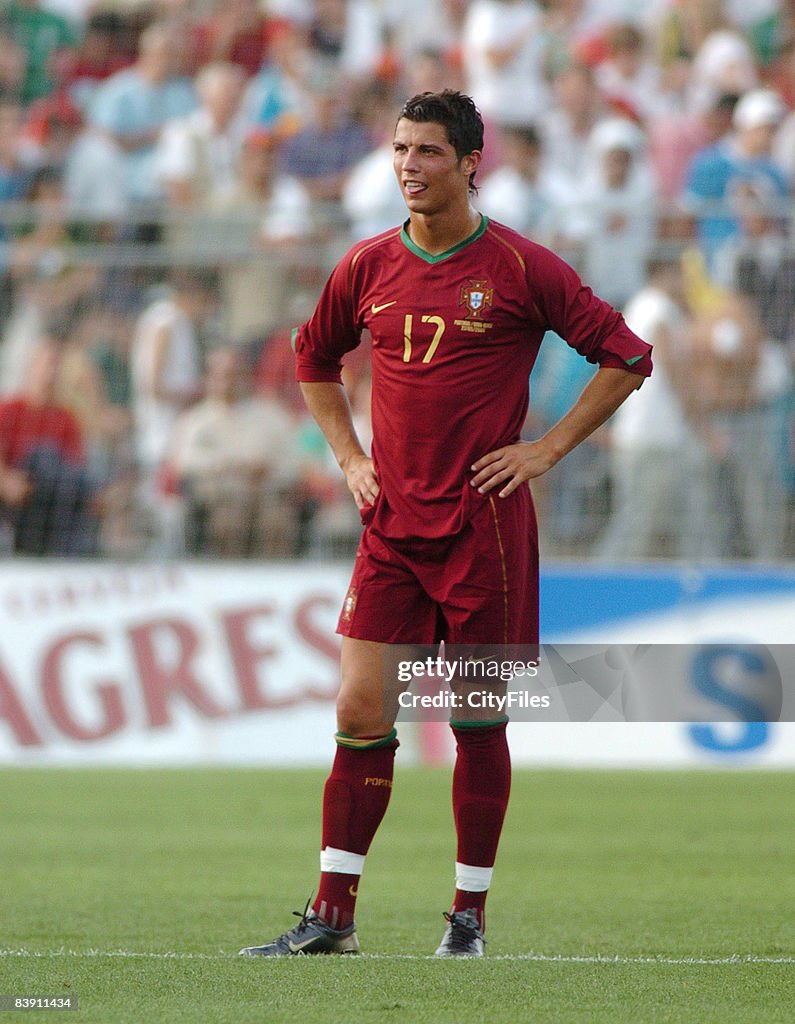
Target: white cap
617,133
758,107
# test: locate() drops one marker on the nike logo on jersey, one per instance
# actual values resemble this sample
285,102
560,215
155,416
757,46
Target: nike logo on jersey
377,309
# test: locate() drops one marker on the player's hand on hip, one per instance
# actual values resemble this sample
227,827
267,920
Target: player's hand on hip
362,481
511,466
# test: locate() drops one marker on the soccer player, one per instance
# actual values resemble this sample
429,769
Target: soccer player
457,306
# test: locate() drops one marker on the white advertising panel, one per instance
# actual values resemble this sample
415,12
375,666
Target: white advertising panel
237,664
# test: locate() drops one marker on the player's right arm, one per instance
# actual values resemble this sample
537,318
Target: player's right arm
328,404
331,331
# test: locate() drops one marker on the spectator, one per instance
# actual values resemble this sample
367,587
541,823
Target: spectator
429,70
371,198
99,55
613,218
629,80
571,32
237,32
760,264
90,164
166,368
723,63
234,458
346,36
415,27
132,106
522,193
197,154
503,56
166,361
15,178
48,278
715,173
12,65
107,338
780,74
52,126
15,172
44,38
659,450
278,97
675,140
567,123
47,496
259,222
323,153
746,475
105,422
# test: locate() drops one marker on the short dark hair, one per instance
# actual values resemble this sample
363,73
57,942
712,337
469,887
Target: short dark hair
457,114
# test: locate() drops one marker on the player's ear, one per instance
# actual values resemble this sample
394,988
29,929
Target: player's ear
471,162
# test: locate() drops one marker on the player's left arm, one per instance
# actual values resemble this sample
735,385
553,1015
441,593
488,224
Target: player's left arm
515,464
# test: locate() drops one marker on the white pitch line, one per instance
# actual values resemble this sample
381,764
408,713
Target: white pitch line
684,961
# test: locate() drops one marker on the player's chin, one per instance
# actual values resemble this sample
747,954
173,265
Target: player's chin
417,202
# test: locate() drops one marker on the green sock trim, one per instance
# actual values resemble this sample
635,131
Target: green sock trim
354,743
460,724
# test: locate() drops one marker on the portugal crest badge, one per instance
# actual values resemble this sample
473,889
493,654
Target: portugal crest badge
477,296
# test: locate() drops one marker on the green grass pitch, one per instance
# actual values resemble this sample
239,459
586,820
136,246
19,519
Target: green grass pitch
618,897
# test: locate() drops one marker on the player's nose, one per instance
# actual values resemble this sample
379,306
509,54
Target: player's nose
410,159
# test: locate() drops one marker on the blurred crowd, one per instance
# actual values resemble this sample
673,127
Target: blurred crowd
177,178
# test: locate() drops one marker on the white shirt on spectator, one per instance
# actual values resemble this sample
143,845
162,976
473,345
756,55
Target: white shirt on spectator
531,208
515,93
372,198
656,419
288,214
190,149
252,433
94,177
181,373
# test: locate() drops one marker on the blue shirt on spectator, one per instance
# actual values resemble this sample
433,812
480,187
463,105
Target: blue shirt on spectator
713,178
14,183
127,104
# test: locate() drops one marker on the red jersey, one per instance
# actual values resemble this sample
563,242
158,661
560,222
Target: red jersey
23,426
454,339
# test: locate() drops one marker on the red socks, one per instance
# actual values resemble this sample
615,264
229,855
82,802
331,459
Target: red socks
355,800
481,787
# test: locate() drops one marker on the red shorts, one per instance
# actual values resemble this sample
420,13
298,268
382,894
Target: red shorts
479,586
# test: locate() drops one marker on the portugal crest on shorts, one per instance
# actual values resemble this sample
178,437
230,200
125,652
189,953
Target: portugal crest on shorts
477,295
349,605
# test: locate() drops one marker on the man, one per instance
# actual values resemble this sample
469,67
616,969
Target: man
130,108
456,307
522,191
717,175
233,456
263,217
613,214
660,443
197,154
166,368
46,39
46,494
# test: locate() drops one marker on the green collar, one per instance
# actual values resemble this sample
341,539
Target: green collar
423,255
